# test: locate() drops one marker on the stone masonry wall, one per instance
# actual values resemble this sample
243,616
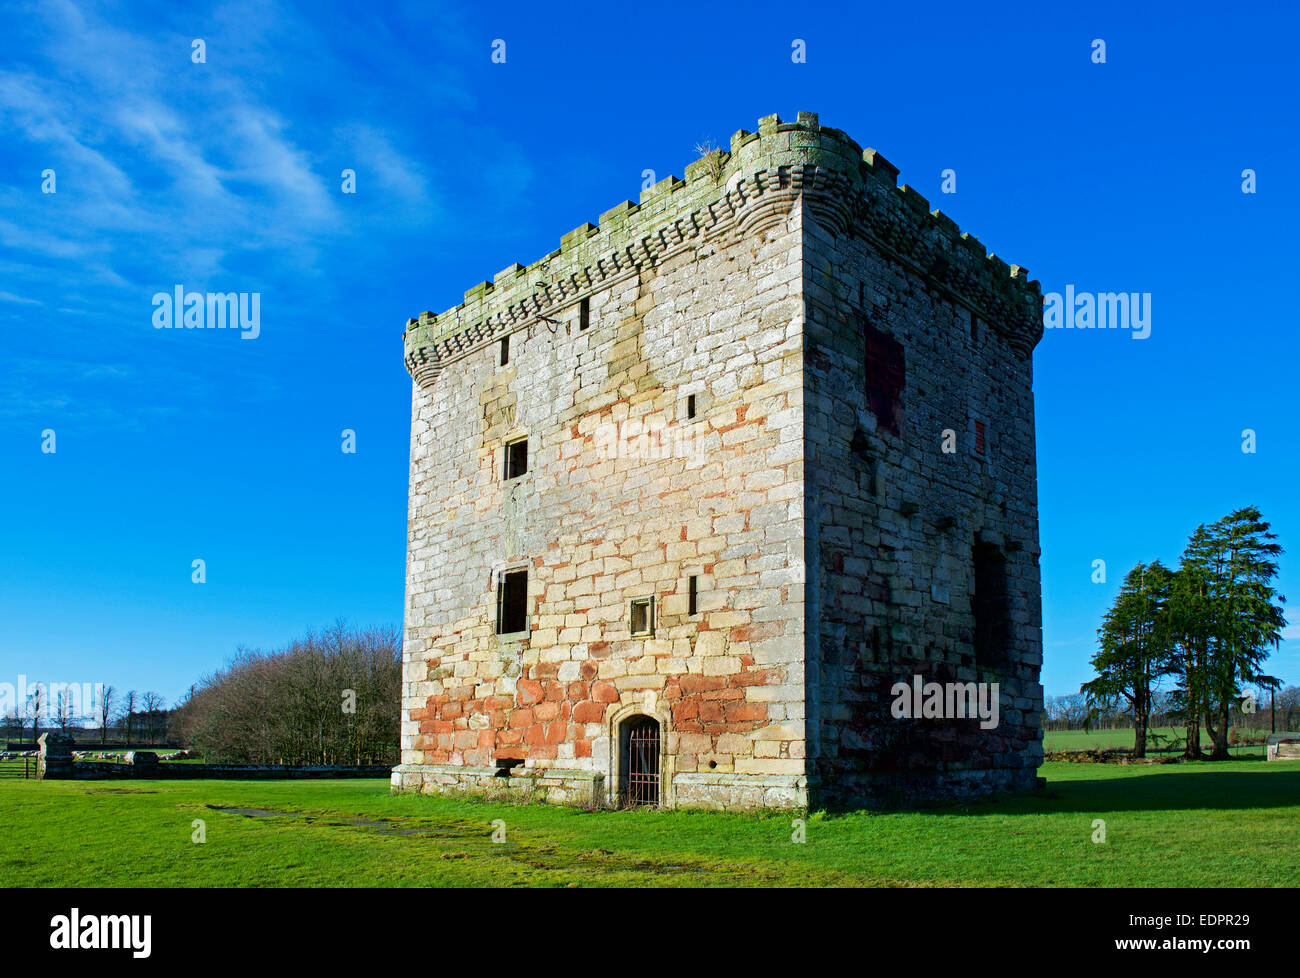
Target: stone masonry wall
898,352
624,497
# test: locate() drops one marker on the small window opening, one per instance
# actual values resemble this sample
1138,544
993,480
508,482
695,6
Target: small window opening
692,595
512,602
690,405
974,327
516,458
505,350
990,605
979,437
584,313
643,616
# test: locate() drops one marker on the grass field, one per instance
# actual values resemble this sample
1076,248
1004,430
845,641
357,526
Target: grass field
1232,823
1089,739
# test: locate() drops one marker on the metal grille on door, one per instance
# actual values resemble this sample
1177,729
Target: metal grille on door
641,786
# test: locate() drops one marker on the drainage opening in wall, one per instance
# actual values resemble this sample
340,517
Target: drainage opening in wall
640,752
506,764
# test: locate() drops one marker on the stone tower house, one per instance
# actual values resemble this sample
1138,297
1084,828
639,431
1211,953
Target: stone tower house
691,495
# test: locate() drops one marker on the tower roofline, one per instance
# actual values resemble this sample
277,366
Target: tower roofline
846,188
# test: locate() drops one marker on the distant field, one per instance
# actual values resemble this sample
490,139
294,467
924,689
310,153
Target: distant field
1089,739
1235,823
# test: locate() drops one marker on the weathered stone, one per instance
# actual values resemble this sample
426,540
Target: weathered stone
780,379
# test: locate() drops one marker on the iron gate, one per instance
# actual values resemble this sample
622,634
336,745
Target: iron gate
641,774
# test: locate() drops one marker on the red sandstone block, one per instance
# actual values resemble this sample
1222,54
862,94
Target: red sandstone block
519,719
589,671
509,738
546,670
486,739
692,683
711,711
500,702
439,726
547,711
529,691
582,748
599,650
547,751
555,733
588,712
746,711
536,734
554,692
576,691
686,710
604,693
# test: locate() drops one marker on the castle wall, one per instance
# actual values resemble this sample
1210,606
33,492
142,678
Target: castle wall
624,497
892,362
830,328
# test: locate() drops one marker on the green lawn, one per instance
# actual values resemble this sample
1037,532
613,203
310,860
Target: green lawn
1089,739
1205,824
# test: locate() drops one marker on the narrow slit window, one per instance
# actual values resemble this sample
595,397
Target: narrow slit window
692,595
516,458
990,606
505,350
584,313
512,602
979,438
643,616
690,406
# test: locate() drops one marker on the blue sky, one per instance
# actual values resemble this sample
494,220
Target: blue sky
174,445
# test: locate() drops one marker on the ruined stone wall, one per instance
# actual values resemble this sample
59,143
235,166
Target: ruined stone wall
902,346
624,497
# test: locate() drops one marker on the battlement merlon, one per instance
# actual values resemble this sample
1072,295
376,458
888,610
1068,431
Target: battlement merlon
847,189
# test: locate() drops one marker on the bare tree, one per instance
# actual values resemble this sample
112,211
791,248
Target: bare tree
152,704
106,695
17,718
35,705
63,709
328,698
128,714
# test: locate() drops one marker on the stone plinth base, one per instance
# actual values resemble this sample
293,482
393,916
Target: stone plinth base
557,786
740,792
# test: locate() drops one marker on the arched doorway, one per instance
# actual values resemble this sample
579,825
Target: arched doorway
640,750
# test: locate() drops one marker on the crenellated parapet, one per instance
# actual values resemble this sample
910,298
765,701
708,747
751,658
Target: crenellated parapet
847,190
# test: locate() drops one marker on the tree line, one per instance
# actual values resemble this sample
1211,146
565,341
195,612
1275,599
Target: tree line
134,717
328,698
1206,626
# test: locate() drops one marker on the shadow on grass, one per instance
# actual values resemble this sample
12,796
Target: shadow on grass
1188,786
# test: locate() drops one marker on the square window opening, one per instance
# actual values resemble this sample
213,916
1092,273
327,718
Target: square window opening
516,459
512,602
643,616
